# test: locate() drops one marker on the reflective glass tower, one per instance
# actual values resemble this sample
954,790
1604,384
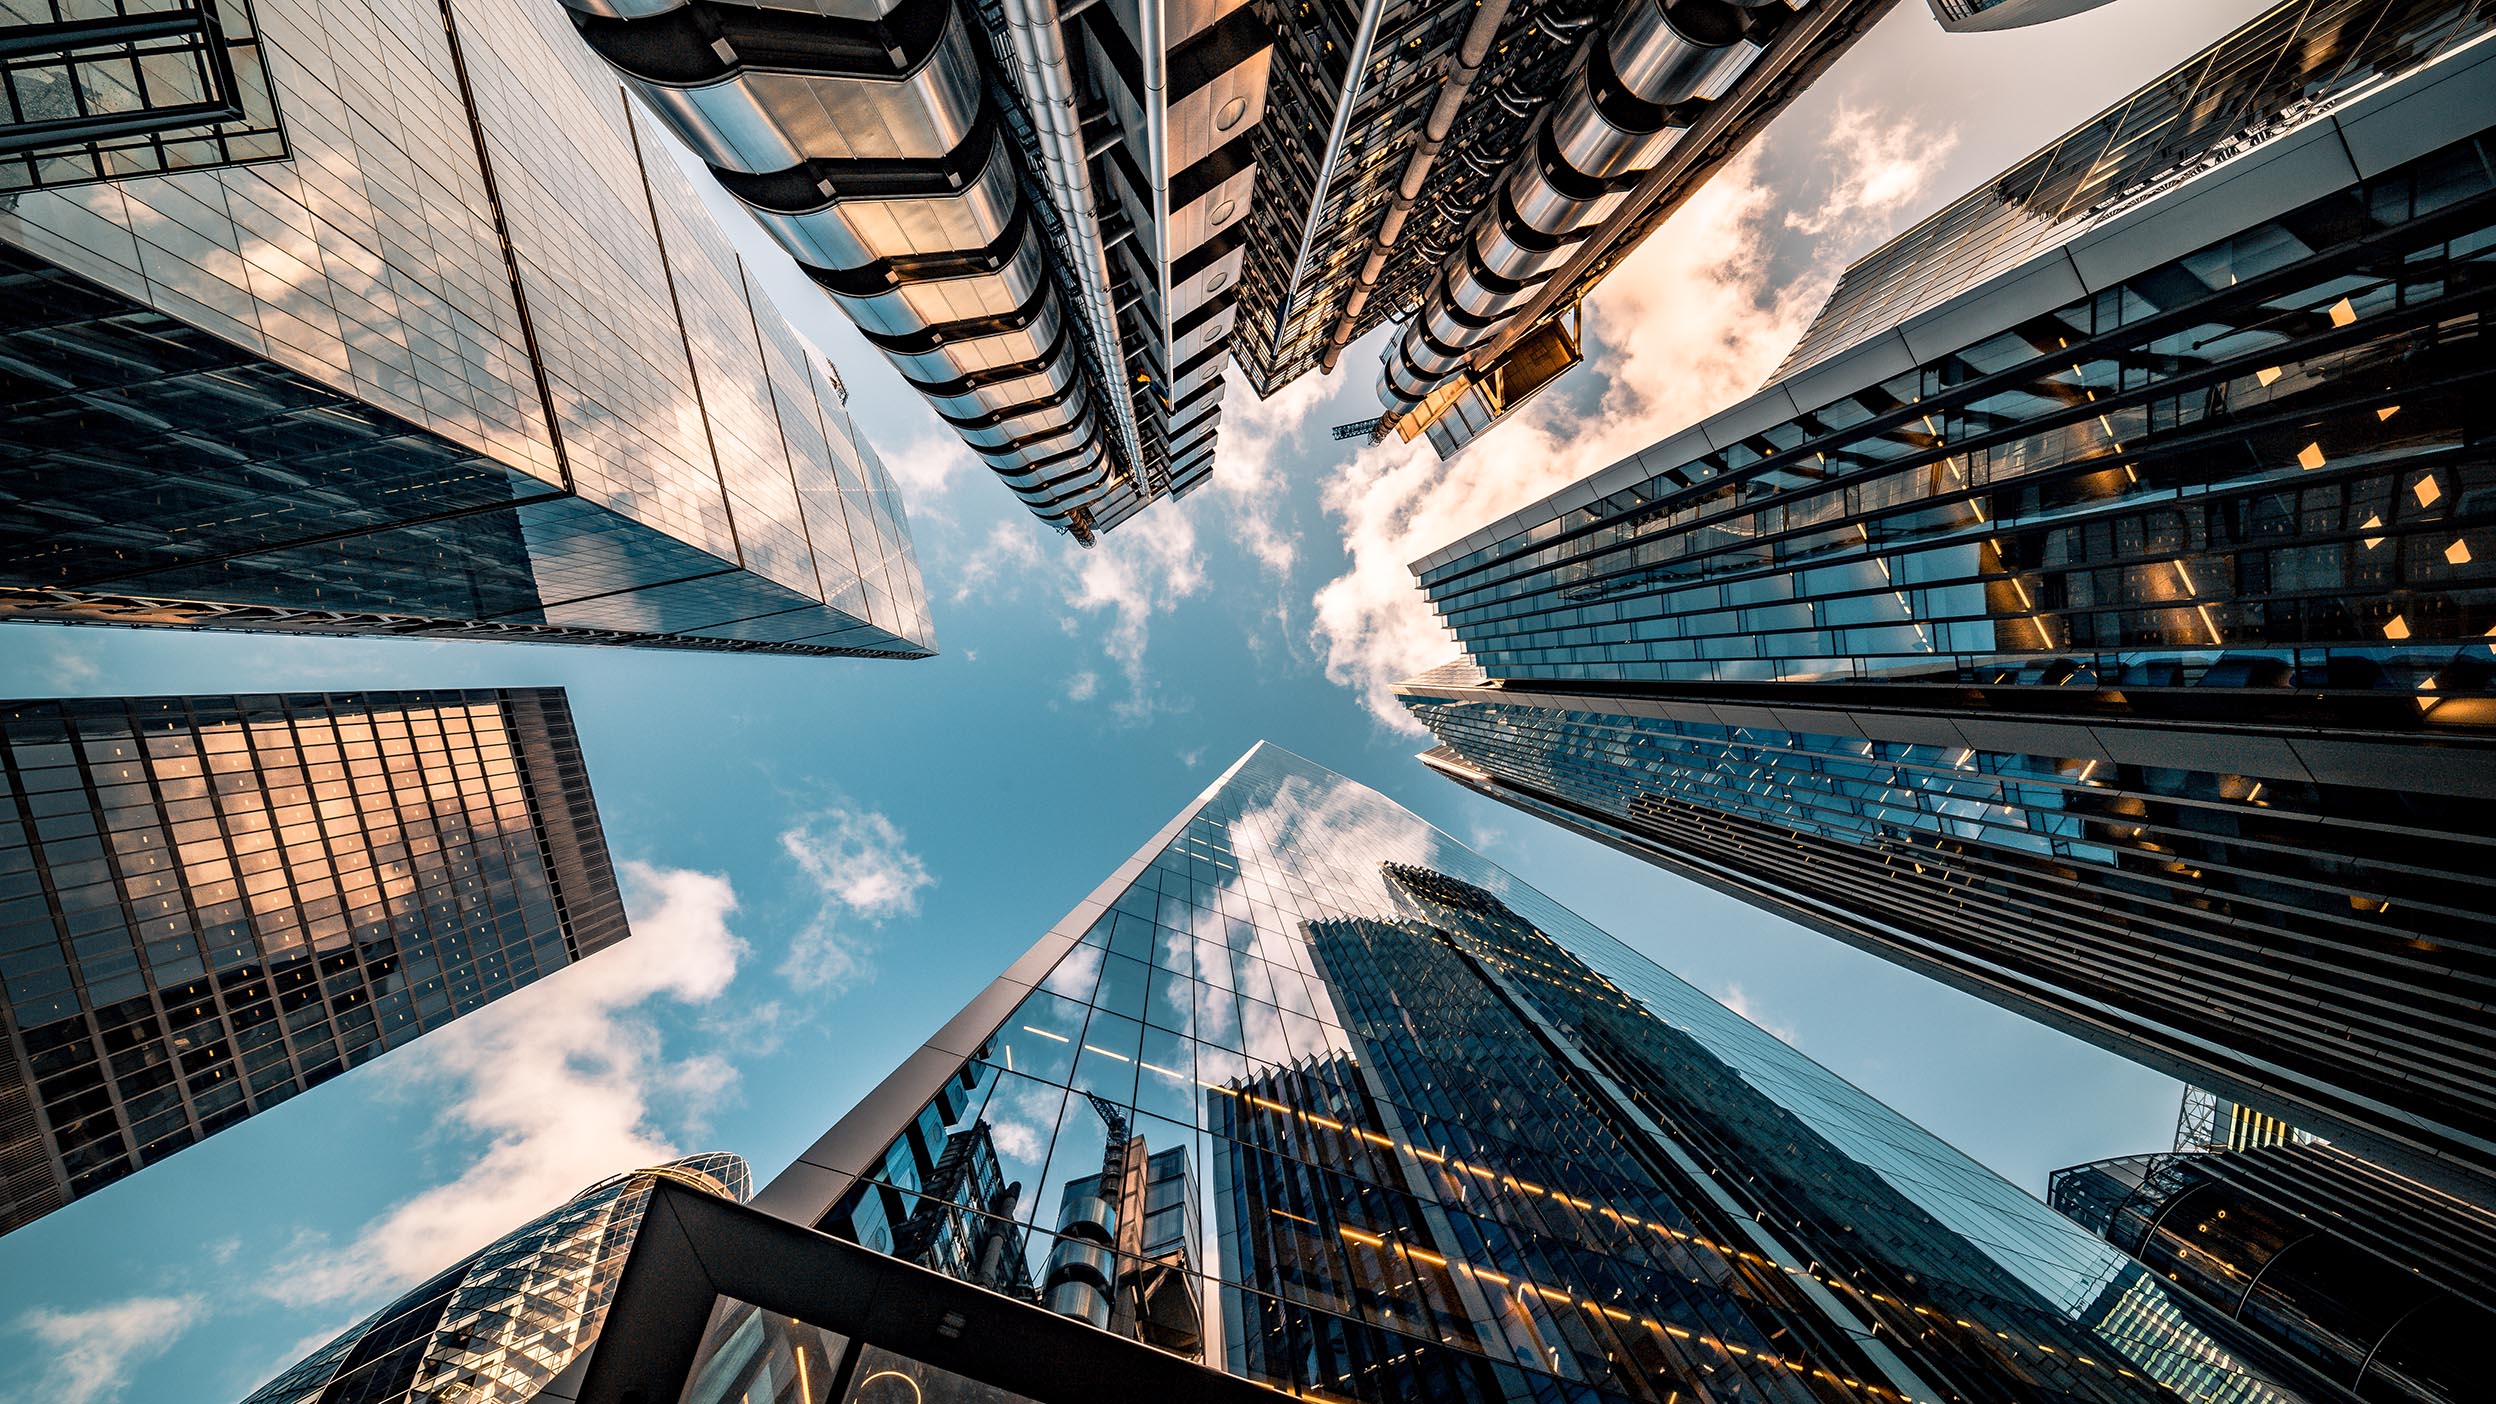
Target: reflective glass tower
497,1326
2369,1281
1312,1094
2095,611
464,357
209,904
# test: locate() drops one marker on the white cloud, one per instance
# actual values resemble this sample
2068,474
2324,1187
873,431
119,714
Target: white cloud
69,667
1883,169
925,468
861,868
1011,554
1192,758
1248,480
1690,323
561,1078
89,1356
1082,686
1733,997
1132,576
1129,577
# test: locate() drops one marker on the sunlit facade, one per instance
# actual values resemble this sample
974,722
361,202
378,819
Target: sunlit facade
2094,614
498,1325
209,904
470,361
1413,1132
2368,1282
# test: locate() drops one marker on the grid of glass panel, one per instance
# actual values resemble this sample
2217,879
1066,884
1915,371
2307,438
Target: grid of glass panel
2273,447
210,904
511,384
100,89
2250,481
2177,902
1455,1144
2283,69
495,1327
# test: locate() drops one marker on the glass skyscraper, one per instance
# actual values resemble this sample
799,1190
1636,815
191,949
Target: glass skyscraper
497,1326
2371,1282
209,904
1309,1093
2094,613
469,361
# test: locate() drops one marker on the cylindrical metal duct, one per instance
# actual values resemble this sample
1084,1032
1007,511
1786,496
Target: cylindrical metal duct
1583,159
861,137
1470,53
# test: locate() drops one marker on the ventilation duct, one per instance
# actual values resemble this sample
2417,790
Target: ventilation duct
1624,111
863,139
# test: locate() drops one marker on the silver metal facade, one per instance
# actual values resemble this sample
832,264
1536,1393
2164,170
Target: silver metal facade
1012,202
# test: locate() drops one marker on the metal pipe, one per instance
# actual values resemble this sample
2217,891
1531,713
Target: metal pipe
1040,53
1352,79
1156,45
1580,163
1471,50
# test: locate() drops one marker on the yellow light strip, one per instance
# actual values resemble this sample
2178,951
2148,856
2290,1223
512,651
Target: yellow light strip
1555,1294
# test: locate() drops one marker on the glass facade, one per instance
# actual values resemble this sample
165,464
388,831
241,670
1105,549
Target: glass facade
209,904
496,1326
2370,1282
97,91
471,362
2125,664
1397,1127
2278,72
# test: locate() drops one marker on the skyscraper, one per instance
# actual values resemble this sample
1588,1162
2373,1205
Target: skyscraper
1061,222
464,357
1566,168
2093,613
2372,1282
1451,1142
498,1325
209,904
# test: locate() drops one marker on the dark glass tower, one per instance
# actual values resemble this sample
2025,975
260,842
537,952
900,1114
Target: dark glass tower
1453,1144
2371,1281
2095,612
462,356
498,1325
208,904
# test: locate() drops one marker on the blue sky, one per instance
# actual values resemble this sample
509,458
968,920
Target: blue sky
827,857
